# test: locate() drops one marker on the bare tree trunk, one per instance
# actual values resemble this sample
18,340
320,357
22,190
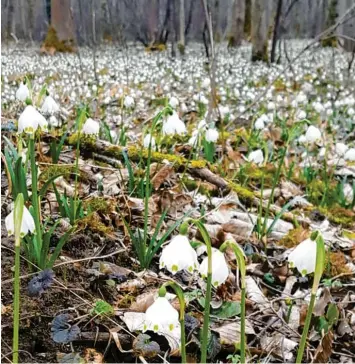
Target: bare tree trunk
331,19
182,27
236,23
61,20
259,30
276,30
153,20
347,29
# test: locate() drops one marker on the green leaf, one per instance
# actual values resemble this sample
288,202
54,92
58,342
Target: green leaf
332,314
102,308
322,325
227,310
269,278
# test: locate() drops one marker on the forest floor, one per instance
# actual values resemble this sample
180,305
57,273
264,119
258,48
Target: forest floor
266,161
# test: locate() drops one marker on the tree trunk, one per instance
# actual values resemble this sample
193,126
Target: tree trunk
276,30
236,23
61,20
259,30
331,41
182,27
346,29
153,21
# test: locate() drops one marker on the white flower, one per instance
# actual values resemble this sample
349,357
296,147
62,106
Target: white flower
27,224
271,106
202,125
30,120
351,111
303,257
340,149
206,83
53,121
22,92
174,125
148,139
259,124
91,127
211,135
257,156
178,255
301,98
302,139
161,316
220,269
173,102
350,155
193,140
301,114
348,191
128,101
49,106
313,134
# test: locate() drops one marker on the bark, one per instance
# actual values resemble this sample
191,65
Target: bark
182,26
61,19
346,29
236,23
276,30
153,21
259,30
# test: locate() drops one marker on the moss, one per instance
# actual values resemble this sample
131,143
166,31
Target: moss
97,204
242,192
55,170
52,42
294,237
349,234
336,264
204,188
94,223
156,47
341,216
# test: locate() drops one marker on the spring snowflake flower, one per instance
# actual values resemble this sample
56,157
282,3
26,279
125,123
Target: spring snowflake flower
22,92
27,224
313,134
179,255
173,102
303,257
206,83
161,316
340,149
174,125
50,106
348,191
220,269
54,121
350,155
194,137
211,135
301,114
256,157
259,124
91,127
128,102
30,120
271,106
149,139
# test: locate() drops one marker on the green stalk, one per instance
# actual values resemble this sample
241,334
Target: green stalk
320,261
206,315
35,205
77,154
305,329
18,214
240,257
181,299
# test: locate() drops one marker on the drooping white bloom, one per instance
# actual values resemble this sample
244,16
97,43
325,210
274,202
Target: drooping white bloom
178,255
173,102
174,125
91,127
340,149
54,122
271,106
259,124
301,98
256,156
348,191
303,257
211,135
50,106
202,125
220,269
161,316
206,83
193,140
22,92
350,155
128,101
30,120
27,224
351,111
148,139
301,114
313,134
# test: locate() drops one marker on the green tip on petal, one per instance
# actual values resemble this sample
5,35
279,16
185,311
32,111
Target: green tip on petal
216,283
171,327
304,272
174,268
155,328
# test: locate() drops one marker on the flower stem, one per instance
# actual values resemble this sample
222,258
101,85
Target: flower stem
35,204
181,298
305,329
242,328
16,306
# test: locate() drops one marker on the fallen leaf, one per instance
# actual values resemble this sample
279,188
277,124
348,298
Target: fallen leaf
324,349
162,176
322,302
279,345
230,332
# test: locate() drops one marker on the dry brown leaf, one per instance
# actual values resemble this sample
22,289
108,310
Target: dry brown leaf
162,176
324,349
229,333
91,356
279,344
143,301
322,303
